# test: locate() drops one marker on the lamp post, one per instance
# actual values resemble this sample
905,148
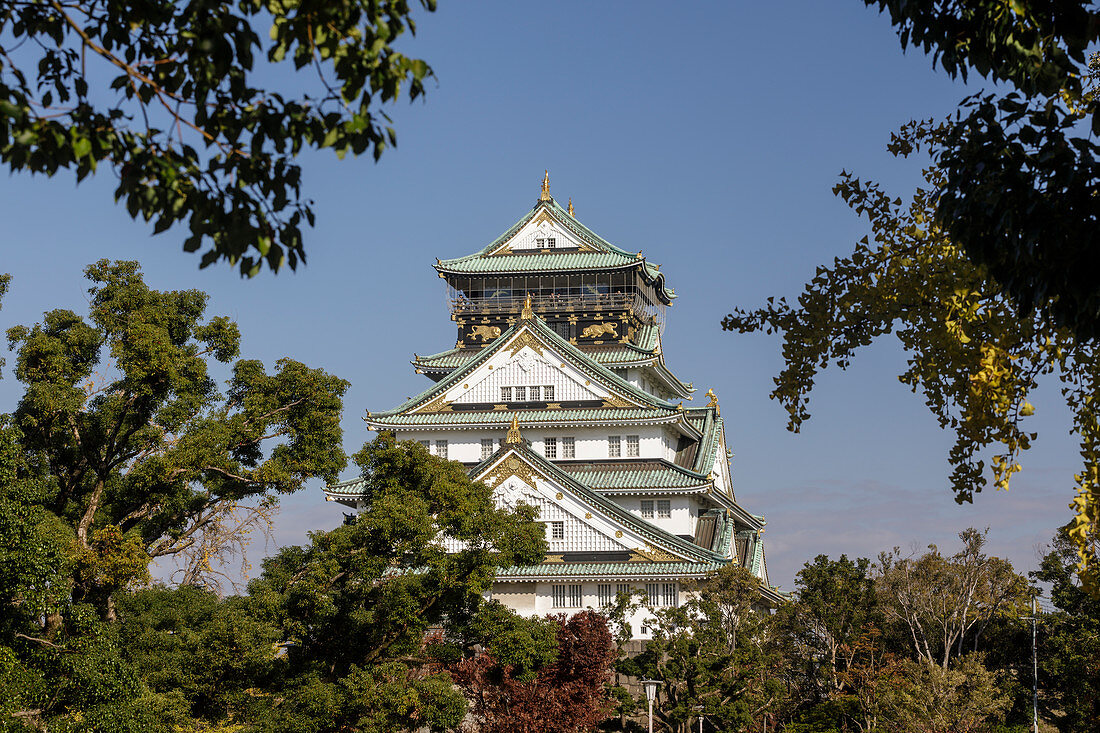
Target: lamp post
651,695
699,712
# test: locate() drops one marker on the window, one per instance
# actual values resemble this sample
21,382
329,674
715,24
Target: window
521,394
426,443
557,530
653,594
647,509
614,447
486,448
551,242
664,508
568,448
441,448
605,596
669,596
550,447
548,392
566,596
623,589
534,396
505,394
632,446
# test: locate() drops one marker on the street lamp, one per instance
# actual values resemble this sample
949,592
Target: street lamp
699,712
651,695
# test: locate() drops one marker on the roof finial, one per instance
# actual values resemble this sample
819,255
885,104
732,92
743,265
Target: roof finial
571,212
514,438
545,195
713,401
527,313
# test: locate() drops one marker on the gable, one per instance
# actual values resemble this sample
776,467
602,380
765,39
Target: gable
529,368
543,233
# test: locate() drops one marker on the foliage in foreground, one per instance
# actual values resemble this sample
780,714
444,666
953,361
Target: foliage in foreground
177,100
971,354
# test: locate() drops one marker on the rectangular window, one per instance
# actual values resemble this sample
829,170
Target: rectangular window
550,447
548,392
566,596
647,509
426,443
551,242
622,589
664,508
669,596
632,446
576,599
605,596
557,530
534,396
653,594
557,593
614,446
568,448
486,448
505,394
521,394
441,448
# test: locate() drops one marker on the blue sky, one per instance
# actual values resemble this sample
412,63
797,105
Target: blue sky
707,135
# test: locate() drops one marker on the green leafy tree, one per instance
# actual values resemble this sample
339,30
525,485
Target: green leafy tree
175,99
355,607
963,698
1020,167
971,353
1069,644
717,651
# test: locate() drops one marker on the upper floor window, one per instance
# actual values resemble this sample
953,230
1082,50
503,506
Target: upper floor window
486,448
632,446
546,242
664,508
614,446
566,596
604,595
520,393
647,509
441,448
426,443
568,448
535,393
505,394
550,447
557,530
548,392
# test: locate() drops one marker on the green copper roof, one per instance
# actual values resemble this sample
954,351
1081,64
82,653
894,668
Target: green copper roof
606,255
610,570
526,418
605,477
578,358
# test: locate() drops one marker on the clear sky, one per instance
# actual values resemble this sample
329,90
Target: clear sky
707,135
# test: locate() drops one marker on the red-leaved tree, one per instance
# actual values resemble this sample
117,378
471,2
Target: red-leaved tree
566,695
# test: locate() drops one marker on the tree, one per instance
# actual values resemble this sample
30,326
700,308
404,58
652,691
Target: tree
945,602
715,651
174,99
1069,644
972,355
1020,170
140,451
356,606
566,693
964,698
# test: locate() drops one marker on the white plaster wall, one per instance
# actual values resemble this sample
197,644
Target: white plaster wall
536,599
683,517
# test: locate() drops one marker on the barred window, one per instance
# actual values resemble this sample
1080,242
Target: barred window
557,530
605,596
548,392
664,508
576,598
568,448
486,448
669,596
566,596
614,446
550,447
534,396
557,593
441,448
647,509
521,394
653,594
623,589
505,394
632,446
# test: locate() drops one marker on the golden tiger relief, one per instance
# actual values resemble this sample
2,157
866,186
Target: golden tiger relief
599,329
486,333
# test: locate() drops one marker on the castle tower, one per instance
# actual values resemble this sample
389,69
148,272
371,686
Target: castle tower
556,394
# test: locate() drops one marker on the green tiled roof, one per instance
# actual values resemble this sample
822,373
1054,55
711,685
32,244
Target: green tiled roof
526,417
620,477
570,352
610,569
607,256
